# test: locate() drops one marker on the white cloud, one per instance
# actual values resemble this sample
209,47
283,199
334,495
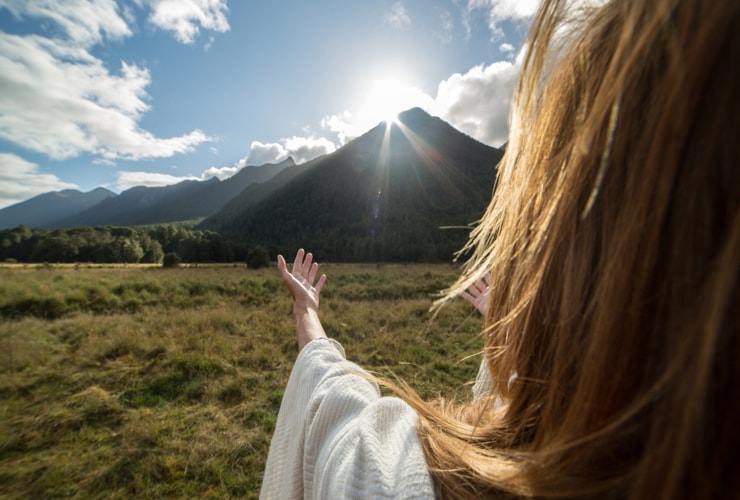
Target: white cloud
81,107
222,172
506,9
398,17
127,179
499,11
54,84
261,153
21,179
348,126
448,27
343,125
104,161
506,47
84,22
185,17
87,22
304,149
502,10
478,102
301,149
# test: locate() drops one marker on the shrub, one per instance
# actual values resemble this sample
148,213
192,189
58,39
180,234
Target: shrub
171,259
258,257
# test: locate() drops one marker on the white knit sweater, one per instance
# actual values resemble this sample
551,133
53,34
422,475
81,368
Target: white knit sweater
336,437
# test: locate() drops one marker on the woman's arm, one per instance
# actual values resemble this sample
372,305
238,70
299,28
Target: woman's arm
305,295
334,435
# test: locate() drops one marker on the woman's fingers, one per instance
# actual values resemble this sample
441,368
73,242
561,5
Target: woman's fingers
312,272
298,262
320,284
303,267
307,259
282,267
477,293
474,290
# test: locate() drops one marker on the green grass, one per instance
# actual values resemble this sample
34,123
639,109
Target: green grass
149,382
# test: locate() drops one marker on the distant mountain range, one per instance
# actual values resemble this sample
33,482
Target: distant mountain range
405,190
186,200
43,209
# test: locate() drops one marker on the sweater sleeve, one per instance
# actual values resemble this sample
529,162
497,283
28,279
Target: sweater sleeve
335,437
483,383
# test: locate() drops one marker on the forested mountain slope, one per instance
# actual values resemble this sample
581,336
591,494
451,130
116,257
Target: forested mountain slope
386,196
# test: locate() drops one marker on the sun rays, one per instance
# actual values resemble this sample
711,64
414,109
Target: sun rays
430,168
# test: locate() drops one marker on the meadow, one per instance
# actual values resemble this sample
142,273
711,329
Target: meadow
135,381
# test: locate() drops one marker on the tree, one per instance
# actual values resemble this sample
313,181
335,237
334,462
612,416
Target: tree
171,259
55,248
258,257
152,249
131,251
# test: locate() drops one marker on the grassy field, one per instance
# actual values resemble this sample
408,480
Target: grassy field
149,382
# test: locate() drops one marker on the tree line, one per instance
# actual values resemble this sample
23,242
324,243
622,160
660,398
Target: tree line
150,244
111,244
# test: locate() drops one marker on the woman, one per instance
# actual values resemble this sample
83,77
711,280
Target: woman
613,245
335,436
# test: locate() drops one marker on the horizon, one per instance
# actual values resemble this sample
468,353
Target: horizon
149,94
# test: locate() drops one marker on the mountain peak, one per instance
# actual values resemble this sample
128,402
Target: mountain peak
64,192
288,162
415,113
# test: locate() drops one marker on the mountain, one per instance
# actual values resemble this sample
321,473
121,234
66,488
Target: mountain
384,196
182,201
215,195
44,209
252,195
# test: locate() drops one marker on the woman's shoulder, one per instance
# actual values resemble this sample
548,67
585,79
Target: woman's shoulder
359,444
378,454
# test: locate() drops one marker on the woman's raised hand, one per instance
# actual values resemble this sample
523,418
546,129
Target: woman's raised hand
477,293
300,281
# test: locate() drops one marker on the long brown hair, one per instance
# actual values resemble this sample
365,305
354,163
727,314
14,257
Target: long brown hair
613,242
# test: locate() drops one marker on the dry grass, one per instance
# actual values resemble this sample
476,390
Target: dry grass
145,382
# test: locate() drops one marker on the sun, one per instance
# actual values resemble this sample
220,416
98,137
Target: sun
387,97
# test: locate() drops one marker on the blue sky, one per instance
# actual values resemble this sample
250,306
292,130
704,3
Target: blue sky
150,92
